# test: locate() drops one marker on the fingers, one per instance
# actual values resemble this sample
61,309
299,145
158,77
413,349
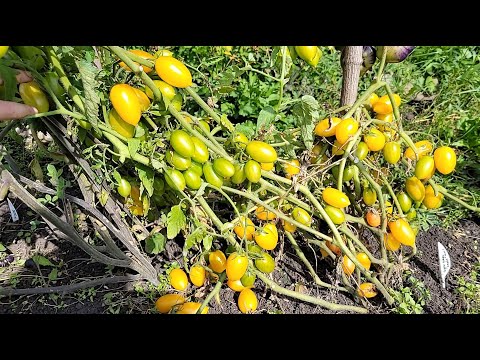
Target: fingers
22,76
12,110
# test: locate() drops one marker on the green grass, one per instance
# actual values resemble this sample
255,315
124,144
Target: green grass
469,290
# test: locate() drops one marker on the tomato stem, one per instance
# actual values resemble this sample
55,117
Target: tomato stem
283,49
445,192
215,291
382,66
361,100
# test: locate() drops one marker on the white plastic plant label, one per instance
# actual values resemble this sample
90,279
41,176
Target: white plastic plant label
13,211
444,261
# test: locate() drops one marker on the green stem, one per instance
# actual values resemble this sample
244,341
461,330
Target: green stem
352,236
214,292
224,122
341,167
309,266
363,98
307,298
382,66
282,76
150,122
124,149
445,192
67,85
392,194
249,68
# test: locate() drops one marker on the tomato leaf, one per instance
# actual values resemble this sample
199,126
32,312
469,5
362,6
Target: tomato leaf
207,242
194,238
2,248
103,197
265,119
247,127
53,274
117,176
9,82
146,176
41,261
155,163
88,74
307,115
133,146
226,123
36,169
155,243
176,220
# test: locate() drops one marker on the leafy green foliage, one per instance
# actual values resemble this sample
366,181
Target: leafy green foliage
176,220
155,244
411,298
469,290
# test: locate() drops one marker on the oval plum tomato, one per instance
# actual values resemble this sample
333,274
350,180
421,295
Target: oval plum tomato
263,214
197,168
405,201
411,214
384,105
333,248
347,265
289,226
392,152
178,161
203,125
173,72
197,275
163,52
430,200
362,150
177,101
345,130
191,308
261,151
367,290
124,188
335,214
119,125
265,263
223,167
175,179
337,148
402,231
144,55
166,302
424,147
374,139
217,261
348,172
248,279
391,243
267,238
244,228
211,176
236,266
335,197
267,166
235,285
415,188
192,179
200,154
327,127
178,279
424,167
373,218
125,102
445,159
291,167
387,118
253,171
182,143
33,95
364,260
372,99
302,216
247,301
3,51
167,91
310,54
239,176
240,140
388,207
142,99
369,196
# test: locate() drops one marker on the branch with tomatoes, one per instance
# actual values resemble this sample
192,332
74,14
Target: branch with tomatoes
235,199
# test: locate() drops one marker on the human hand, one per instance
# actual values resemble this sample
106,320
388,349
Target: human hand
11,110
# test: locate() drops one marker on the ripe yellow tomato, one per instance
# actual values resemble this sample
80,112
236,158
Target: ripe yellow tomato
197,275
125,101
236,266
173,72
445,159
217,261
327,127
335,197
247,301
166,302
374,139
178,279
119,125
345,130
144,55
268,238
261,151
191,308
424,147
384,105
289,226
364,260
391,243
347,265
402,231
263,214
367,290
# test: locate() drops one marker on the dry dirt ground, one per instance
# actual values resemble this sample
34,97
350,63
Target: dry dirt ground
30,236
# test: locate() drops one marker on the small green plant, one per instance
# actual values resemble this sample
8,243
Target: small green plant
411,298
469,290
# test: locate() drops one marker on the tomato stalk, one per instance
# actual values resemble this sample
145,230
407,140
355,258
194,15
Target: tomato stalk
390,190
361,100
310,268
352,236
214,292
382,67
67,85
341,167
248,67
445,192
282,75
224,122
